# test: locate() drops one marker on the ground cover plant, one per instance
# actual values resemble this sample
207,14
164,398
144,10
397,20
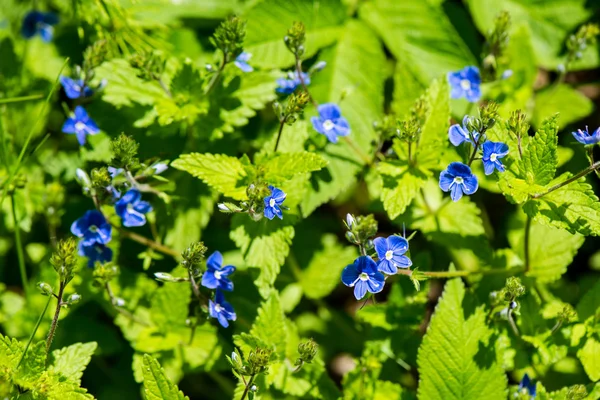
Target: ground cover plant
309,199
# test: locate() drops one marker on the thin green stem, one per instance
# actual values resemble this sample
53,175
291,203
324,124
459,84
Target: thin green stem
575,177
526,242
457,274
248,386
556,326
21,98
59,304
216,76
281,125
37,325
512,323
19,246
149,243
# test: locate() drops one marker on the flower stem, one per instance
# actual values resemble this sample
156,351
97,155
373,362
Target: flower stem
216,76
475,150
37,325
19,246
150,243
59,304
512,323
302,82
575,177
457,274
247,387
526,242
21,98
281,125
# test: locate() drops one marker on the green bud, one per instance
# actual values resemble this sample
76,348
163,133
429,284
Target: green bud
567,314
237,364
308,351
489,115
577,392
259,360
294,40
45,288
517,124
100,178
94,55
386,128
149,65
364,228
295,106
513,289
585,37
73,299
104,273
495,47
64,258
165,277
124,149
229,37
193,256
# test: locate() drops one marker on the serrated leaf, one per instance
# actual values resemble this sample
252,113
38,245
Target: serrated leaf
540,158
544,264
573,207
156,384
54,386
282,167
270,325
589,355
420,34
269,20
589,303
264,244
71,361
325,267
224,173
354,68
400,185
457,358
434,134
169,305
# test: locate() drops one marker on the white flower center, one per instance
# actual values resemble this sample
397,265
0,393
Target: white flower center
79,126
328,125
389,254
459,180
363,276
493,157
465,84
272,203
218,308
217,275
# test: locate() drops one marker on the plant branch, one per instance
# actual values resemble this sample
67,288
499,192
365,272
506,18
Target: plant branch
247,387
149,242
215,77
21,98
281,125
59,304
575,177
456,274
19,246
526,243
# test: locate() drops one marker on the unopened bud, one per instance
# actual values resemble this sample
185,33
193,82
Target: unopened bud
119,302
45,288
74,299
350,221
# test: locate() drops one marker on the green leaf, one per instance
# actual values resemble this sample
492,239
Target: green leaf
156,385
71,361
400,185
270,325
546,266
264,244
420,35
355,69
457,358
589,357
170,305
570,103
540,156
589,303
325,267
224,173
269,20
573,207
282,167
406,88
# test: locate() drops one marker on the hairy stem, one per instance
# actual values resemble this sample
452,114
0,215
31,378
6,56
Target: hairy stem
59,304
37,325
149,242
526,242
281,125
575,177
247,388
19,246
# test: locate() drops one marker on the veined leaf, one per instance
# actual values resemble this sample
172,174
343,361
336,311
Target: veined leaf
156,384
270,325
588,355
170,306
71,361
589,303
457,358
540,156
282,167
400,185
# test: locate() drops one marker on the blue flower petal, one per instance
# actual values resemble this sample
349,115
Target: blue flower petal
387,266
457,135
215,260
209,281
69,126
381,247
398,244
360,289
350,275
366,264
269,212
401,261
456,192
376,282
329,111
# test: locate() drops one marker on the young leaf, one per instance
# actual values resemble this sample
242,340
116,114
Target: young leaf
156,384
589,303
224,173
540,156
71,361
588,355
270,325
170,305
457,359
400,185
282,167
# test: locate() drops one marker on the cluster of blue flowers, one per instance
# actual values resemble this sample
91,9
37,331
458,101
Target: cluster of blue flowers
96,231
216,277
366,275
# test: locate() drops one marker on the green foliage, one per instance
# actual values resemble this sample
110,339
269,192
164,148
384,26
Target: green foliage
457,359
156,384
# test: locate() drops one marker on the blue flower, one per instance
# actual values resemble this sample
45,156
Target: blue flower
221,310
390,253
527,385
458,179
289,85
273,203
131,208
39,23
584,137
75,89
95,252
330,122
241,62
460,134
363,276
81,125
492,153
465,83
93,228
215,276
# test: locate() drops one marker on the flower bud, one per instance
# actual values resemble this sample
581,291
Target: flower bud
45,288
83,178
73,299
350,221
258,360
308,351
64,258
119,302
193,255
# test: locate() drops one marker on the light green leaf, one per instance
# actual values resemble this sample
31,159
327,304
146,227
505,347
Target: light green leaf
546,266
457,358
282,167
270,325
169,306
589,303
571,104
156,385
269,20
264,244
71,361
573,207
354,68
324,270
400,185
420,35
589,355
540,156
224,173
407,88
